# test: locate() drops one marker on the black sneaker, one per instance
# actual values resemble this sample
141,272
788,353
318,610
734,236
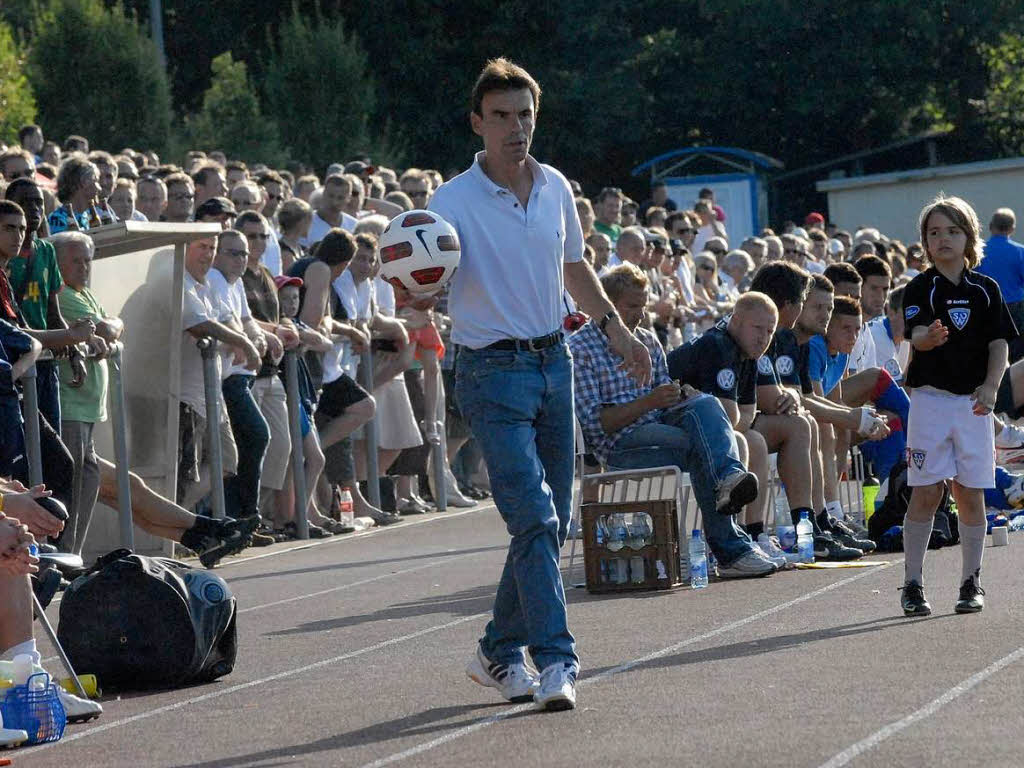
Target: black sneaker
972,598
231,539
856,527
827,548
844,534
913,600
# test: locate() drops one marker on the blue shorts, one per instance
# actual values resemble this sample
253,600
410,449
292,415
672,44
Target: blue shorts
304,420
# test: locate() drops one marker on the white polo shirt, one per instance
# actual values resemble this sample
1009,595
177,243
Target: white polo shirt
509,282
230,302
319,228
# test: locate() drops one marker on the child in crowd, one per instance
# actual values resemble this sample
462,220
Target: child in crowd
312,341
417,312
959,327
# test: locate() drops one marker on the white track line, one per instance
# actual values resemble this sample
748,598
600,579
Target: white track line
929,709
507,713
252,683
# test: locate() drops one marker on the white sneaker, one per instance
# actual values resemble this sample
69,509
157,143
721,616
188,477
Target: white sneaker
11,737
516,682
1011,436
79,710
752,563
769,547
557,691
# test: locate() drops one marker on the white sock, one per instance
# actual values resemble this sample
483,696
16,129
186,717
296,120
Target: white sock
29,647
972,549
834,509
915,543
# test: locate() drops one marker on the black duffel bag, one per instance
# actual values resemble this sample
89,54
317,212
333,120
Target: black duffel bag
141,622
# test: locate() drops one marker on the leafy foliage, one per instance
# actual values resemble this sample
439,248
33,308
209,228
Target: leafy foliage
95,73
17,104
231,119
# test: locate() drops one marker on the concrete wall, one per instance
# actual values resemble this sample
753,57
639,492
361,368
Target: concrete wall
892,201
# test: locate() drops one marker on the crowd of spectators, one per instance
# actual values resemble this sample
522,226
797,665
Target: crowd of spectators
789,342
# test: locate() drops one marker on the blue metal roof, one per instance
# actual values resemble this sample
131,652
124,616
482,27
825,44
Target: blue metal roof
757,159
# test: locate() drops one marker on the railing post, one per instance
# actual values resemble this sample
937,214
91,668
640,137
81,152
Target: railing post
118,429
33,445
291,375
370,431
212,385
440,450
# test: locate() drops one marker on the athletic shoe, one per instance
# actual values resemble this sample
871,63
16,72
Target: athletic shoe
1010,436
750,564
12,737
770,546
842,533
972,598
1015,492
233,538
857,528
557,691
827,548
735,492
79,710
516,682
913,600
261,538
777,558
1006,456
387,518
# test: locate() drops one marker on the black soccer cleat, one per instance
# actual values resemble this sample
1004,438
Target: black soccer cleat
972,597
913,600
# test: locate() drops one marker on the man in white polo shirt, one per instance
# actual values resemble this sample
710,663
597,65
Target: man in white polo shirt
521,245
331,212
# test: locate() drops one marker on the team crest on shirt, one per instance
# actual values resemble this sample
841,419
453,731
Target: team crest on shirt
784,365
959,316
917,457
726,378
892,367
764,365
911,311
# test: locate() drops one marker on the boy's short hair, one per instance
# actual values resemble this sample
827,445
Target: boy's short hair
622,278
366,240
960,212
822,283
502,75
844,305
842,272
10,208
872,266
783,282
337,247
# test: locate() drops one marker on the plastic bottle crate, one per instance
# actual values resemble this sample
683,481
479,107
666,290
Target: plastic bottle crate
38,712
660,557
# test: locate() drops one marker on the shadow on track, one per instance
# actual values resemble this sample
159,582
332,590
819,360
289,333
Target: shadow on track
463,603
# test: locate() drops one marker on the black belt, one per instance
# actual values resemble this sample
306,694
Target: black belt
528,345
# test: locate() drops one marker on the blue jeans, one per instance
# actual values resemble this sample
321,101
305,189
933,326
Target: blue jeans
252,435
519,407
698,439
48,391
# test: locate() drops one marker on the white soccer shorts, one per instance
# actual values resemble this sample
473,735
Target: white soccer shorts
945,439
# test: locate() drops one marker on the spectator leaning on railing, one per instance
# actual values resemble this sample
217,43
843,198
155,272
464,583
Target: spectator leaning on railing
82,407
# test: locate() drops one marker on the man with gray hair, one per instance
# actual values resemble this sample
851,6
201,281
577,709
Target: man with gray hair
737,269
631,248
756,248
1004,262
84,406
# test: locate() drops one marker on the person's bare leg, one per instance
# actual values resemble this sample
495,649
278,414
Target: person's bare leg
829,473
757,462
791,437
817,479
150,511
15,610
857,389
352,419
315,463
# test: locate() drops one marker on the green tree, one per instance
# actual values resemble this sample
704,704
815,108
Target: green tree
317,86
231,119
1003,106
17,105
95,72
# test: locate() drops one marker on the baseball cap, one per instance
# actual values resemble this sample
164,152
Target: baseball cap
282,280
358,167
814,219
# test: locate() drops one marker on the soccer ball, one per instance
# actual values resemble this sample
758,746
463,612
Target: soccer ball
419,251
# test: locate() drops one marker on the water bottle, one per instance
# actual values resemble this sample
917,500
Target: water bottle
617,532
698,561
639,531
600,532
805,538
784,527
346,513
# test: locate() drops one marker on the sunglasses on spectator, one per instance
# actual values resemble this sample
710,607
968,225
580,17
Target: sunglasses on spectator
237,253
27,173
705,266
417,194
686,231
275,197
791,250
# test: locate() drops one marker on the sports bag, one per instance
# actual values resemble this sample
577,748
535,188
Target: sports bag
945,530
141,622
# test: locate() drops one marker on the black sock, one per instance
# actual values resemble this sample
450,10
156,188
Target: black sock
754,530
824,520
795,514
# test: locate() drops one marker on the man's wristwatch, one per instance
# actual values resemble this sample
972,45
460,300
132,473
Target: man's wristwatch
604,320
